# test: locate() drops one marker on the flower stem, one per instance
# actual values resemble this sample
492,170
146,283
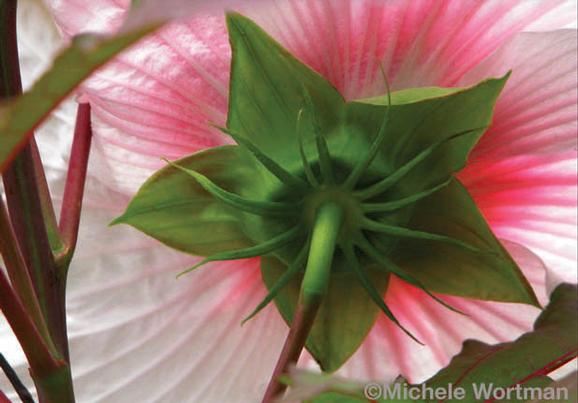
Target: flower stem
328,221
74,189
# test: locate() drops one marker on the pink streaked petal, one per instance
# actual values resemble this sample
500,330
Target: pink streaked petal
531,199
536,112
419,43
166,91
388,352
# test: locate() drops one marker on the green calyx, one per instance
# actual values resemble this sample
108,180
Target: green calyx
371,180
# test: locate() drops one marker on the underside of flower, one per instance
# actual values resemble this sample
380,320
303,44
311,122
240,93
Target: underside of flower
363,209
335,196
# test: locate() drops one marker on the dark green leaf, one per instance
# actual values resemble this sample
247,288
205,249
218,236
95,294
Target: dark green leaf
268,89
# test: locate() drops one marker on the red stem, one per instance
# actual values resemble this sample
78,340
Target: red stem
75,181
24,200
23,184
300,327
4,398
36,350
19,275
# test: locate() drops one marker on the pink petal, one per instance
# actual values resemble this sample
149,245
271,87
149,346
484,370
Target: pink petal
388,352
523,172
78,16
158,99
536,112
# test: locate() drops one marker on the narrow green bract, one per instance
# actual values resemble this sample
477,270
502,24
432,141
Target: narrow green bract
386,163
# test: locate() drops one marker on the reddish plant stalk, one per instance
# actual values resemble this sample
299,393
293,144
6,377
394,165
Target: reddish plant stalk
24,200
328,221
19,276
45,368
294,344
23,183
74,188
4,398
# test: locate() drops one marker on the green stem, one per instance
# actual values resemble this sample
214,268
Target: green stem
328,221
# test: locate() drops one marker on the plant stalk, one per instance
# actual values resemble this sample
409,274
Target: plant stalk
328,221
23,182
74,188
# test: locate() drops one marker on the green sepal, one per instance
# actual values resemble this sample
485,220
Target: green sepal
433,115
269,87
345,317
175,209
490,274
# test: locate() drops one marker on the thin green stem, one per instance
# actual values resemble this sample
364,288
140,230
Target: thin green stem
328,221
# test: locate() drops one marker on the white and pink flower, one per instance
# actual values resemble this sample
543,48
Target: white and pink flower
137,334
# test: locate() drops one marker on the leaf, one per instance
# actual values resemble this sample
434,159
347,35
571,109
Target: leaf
553,341
344,318
175,209
567,385
268,89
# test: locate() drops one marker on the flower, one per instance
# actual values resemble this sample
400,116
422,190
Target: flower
132,325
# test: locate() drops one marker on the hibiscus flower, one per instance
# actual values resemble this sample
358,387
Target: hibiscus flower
136,334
